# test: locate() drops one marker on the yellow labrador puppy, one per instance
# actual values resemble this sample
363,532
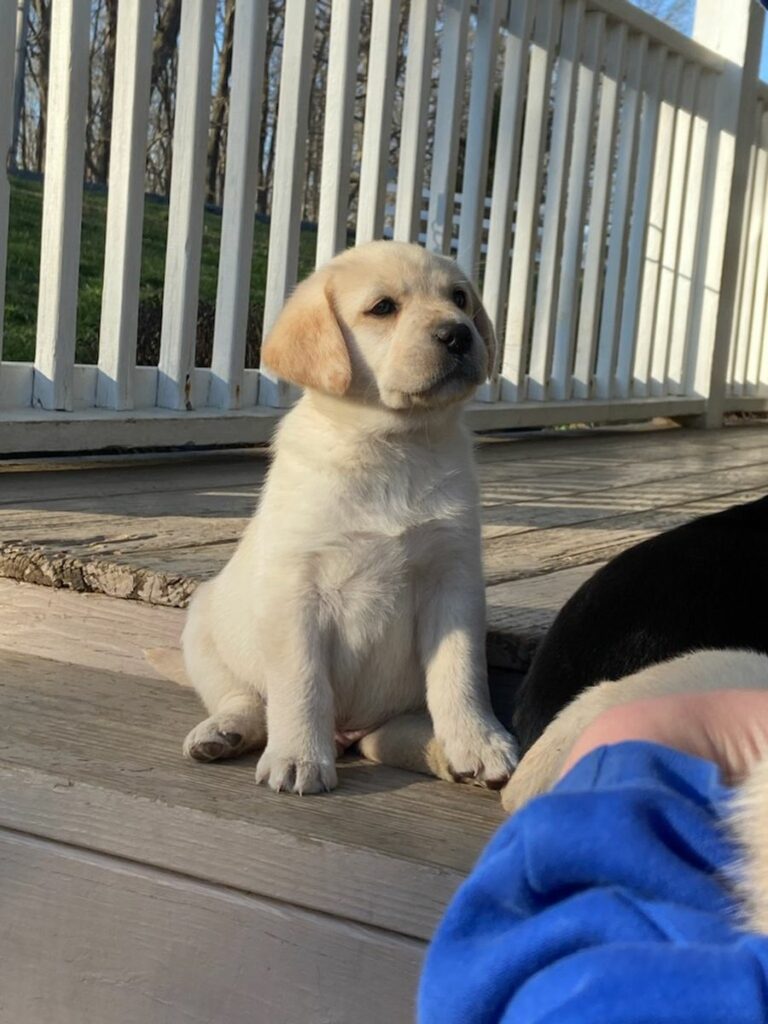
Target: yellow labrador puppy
356,594
695,672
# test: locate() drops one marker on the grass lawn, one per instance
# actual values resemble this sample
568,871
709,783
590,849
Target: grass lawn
24,267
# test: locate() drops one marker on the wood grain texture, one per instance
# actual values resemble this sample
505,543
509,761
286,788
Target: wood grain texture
121,943
85,629
92,758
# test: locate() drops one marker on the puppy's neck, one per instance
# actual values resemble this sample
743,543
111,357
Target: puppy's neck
356,420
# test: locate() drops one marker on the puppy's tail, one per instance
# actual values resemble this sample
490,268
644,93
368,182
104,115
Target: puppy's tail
169,663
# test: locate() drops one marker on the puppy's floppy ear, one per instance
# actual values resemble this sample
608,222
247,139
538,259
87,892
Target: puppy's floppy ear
484,326
306,345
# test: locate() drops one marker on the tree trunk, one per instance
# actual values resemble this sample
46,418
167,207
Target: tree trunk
220,107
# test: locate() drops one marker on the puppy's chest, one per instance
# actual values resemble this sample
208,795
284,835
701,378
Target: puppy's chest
383,560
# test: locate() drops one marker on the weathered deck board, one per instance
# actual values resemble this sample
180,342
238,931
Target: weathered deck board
85,629
92,758
95,938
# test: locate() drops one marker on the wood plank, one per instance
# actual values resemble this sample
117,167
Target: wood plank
343,50
185,212
545,551
93,759
646,155
7,63
602,179
264,961
506,161
555,190
85,629
125,207
62,205
614,286
445,144
413,127
237,219
380,85
654,235
479,116
521,611
520,306
572,243
290,151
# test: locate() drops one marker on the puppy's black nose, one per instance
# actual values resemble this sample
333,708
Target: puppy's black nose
456,337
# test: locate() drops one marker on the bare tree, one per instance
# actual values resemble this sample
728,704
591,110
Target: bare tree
678,13
220,106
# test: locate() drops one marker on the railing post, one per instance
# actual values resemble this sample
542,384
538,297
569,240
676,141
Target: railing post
738,38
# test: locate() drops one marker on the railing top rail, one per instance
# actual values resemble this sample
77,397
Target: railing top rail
659,32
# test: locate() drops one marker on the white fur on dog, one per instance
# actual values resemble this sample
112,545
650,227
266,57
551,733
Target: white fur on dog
698,671
356,594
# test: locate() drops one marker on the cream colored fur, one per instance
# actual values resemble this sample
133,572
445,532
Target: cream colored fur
356,594
694,672
748,822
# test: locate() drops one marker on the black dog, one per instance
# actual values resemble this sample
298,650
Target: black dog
701,585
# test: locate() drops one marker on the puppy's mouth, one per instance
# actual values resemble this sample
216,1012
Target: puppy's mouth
452,383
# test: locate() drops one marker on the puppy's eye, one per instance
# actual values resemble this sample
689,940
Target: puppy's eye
384,307
459,297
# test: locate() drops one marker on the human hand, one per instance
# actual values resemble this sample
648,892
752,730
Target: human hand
728,727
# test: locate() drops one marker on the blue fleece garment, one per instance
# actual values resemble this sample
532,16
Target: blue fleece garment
606,900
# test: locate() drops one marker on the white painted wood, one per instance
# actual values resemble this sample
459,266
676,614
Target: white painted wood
555,192
654,235
290,151
519,309
738,38
668,272
185,214
7,46
37,430
614,287
750,232
16,380
337,138
413,129
126,943
757,327
637,20
473,186
62,204
378,120
505,164
233,291
691,230
646,154
125,207
594,259
445,145
577,193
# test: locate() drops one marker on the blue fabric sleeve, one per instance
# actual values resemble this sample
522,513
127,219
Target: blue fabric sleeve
606,900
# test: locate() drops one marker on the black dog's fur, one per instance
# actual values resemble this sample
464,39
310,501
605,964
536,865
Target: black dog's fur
701,585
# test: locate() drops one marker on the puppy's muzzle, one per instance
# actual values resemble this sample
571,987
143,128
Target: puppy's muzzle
456,337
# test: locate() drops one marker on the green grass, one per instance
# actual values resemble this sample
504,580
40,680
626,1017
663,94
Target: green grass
24,267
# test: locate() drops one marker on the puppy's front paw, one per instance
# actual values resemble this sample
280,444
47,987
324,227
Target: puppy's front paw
288,773
482,751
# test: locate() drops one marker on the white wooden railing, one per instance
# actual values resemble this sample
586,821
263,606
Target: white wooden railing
623,249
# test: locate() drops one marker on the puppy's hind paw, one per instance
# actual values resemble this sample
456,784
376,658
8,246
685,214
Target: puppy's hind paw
293,774
486,755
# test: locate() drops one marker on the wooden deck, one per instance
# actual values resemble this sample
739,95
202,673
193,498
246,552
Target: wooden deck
145,888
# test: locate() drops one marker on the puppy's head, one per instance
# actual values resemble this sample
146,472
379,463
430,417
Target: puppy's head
386,323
